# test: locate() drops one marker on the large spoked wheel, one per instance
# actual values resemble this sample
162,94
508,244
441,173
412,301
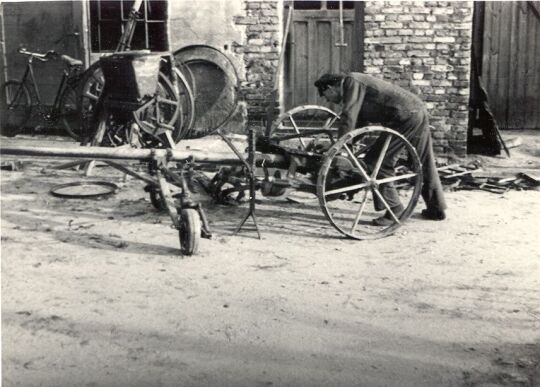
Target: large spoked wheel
70,115
158,117
92,84
300,121
19,106
184,81
357,175
189,231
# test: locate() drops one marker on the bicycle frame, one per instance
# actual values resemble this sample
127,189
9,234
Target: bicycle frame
29,79
29,72
60,90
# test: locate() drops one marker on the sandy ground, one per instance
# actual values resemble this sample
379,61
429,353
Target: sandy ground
95,293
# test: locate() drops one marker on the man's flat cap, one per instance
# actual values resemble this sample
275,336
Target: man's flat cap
328,79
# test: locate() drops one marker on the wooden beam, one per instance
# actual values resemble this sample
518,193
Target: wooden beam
358,37
102,153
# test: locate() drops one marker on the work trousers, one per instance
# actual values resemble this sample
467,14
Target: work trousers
416,130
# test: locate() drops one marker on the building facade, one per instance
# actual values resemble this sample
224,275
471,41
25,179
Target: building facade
422,46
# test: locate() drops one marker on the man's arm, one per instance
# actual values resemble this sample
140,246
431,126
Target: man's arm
353,98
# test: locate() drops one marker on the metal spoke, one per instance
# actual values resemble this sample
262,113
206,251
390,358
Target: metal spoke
346,189
152,125
359,213
91,96
396,178
330,122
297,132
356,162
170,139
379,195
381,158
167,101
158,112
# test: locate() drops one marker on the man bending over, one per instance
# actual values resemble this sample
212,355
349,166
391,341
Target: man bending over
368,100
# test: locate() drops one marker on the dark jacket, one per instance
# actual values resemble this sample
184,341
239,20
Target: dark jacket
369,100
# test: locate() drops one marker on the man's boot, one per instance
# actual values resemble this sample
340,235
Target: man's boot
387,219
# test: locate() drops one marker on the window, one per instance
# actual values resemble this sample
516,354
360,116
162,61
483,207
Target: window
335,5
108,18
321,5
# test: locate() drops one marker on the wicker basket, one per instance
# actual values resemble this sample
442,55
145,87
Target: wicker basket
130,76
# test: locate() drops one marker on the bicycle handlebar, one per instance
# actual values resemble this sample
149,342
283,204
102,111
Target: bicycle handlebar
42,57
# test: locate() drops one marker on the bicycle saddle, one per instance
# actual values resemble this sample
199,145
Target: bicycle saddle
71,61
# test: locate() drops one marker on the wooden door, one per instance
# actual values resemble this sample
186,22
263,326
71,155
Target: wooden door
313,48
510,66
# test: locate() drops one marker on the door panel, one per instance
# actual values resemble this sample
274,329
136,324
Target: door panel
510,62
312,50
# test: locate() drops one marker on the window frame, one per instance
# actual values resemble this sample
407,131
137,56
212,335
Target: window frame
323,5
144,19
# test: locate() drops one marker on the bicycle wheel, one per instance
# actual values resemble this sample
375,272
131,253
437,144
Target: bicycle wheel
69,113
351,181
19,106
298,120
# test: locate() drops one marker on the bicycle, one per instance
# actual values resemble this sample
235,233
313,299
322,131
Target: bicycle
23,98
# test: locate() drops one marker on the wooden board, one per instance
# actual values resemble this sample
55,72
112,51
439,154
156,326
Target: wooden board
313,51
511,63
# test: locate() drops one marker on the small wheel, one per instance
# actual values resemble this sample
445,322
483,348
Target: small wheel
355,173
190,231
160,115
92,84
18,104
301,119
70,114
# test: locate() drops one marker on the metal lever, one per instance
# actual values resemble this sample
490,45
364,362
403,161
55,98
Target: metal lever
341,42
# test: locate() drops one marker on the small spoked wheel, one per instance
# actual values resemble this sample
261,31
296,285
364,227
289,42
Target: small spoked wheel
369,182
189,231
302,120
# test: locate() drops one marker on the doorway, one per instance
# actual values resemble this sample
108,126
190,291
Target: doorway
316,45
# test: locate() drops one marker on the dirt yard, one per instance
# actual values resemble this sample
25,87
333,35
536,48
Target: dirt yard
95,293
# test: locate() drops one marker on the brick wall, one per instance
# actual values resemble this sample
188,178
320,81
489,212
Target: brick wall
260,51
421,46
425,47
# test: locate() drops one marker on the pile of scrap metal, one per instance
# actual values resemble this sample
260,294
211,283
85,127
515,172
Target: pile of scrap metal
466,177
